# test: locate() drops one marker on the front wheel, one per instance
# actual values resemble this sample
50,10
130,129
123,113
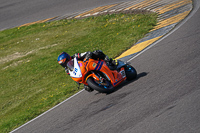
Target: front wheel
131,73
102,87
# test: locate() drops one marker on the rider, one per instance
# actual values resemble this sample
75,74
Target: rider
64,58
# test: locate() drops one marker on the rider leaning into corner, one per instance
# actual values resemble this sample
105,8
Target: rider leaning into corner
64,58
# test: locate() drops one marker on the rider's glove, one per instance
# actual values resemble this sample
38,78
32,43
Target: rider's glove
88,56
67,71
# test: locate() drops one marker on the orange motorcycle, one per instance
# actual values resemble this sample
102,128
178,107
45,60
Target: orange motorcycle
98,75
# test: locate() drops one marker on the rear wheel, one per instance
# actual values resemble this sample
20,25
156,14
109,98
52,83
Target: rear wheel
131,73
103,86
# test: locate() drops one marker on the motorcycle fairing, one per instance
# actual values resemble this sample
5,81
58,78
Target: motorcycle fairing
114,76
99,65
76,72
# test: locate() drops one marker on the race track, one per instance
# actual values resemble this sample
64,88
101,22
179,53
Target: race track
18,12
164,99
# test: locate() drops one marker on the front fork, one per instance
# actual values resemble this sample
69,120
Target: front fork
97,77
93,75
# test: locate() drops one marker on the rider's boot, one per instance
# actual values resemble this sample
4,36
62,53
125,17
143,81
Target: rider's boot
114,62
111,63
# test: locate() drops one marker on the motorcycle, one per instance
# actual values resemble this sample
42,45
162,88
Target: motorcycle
98,75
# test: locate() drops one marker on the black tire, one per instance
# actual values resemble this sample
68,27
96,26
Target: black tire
131,73
98,87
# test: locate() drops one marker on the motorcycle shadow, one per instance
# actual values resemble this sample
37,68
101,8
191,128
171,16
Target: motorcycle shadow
140,75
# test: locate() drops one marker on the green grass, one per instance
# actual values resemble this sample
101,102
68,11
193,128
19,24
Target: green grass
32,81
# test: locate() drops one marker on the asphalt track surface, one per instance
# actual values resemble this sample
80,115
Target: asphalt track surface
18,12
164,99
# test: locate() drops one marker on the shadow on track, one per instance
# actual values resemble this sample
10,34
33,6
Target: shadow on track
140,75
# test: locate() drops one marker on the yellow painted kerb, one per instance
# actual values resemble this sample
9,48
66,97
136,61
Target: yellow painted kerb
172,6
40,21
172,20
139,47
98,9
142,4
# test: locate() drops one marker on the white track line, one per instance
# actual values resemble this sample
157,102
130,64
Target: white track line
47,111
195,8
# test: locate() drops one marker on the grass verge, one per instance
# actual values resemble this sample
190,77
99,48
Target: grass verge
32,81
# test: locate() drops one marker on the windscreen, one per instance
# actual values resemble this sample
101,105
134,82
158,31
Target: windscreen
70,65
